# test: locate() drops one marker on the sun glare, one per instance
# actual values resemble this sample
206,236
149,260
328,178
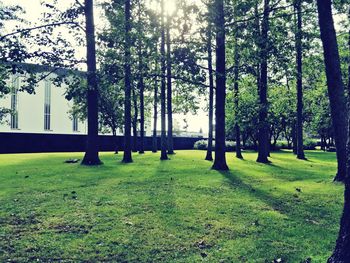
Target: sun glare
169,6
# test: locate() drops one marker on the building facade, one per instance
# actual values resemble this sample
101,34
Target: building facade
45,111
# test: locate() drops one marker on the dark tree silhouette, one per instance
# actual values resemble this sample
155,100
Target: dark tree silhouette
164,155
134,119
220,148
91,155
209,156
236,95
169,89
155,108
299,60
335,84
127,114
336,94
263,133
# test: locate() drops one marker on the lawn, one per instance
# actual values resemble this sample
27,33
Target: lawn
170,211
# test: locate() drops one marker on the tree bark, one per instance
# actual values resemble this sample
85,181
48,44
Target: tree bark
299,60
141,85
236,96
341,252
127,158
209,156
155,110
134,121
220,135
169,90
114,132
334,83
164,155
91,155
263,132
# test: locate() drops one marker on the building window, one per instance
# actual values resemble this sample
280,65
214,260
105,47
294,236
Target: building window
14,102
75,124
47,106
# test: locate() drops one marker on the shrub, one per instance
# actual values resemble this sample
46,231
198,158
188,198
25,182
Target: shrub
203,145
281,145
310,144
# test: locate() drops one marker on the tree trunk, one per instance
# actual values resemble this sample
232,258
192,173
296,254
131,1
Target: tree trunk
294,138
91,155
299,60
334,83
263,137
236,96
115,139
337,101
164,155
209,156
142,118
142,101
127,158
169,90
155,111
220,136
134,121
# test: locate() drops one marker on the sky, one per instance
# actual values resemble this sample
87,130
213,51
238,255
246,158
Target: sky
33,10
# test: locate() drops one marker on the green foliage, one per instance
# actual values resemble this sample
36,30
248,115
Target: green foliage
310,144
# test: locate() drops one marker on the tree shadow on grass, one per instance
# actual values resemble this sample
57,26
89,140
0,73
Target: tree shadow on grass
282,204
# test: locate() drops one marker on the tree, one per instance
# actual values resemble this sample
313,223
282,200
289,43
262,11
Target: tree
341,252
334,83
155,106
220,148
209,156
263,150
299,58
169,88
236,94
164,155
127,158
91,155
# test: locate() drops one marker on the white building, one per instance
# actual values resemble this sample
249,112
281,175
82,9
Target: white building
45,111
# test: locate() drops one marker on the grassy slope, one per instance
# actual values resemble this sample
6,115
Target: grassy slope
177,210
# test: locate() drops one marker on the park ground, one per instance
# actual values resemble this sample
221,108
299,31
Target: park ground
171,211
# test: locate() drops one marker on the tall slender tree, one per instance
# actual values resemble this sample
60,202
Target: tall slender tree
236,95
299,60
141,84
135,118
164,155
209,156
91,155
155,106
220,135
127,158
263,133
169,88
335,85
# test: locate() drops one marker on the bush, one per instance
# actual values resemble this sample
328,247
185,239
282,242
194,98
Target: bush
200,145
281,145
203,145
310,144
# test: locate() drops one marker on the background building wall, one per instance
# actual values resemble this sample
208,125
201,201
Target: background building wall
31,111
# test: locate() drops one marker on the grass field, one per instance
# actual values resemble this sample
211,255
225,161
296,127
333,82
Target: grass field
172,211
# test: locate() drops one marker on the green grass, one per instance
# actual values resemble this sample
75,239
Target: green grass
170,211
